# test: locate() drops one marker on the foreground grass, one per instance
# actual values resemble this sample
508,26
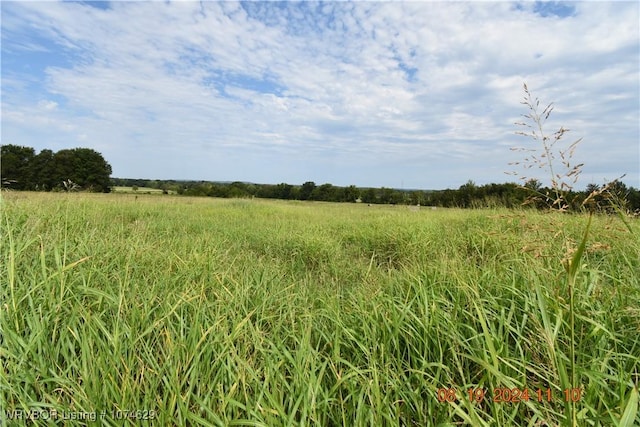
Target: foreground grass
247,312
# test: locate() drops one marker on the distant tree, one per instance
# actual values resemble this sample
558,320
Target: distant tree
533,184
42,171
284,191
349,194
592,188
398,197
619,189
267,191
447,198
467,193
617,195
238,189
84,166
633,199
417,198
295,193
369,196
306,190
214,190
324,192
15,162
195,190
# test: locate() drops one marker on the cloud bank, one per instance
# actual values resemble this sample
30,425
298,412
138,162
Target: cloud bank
414,95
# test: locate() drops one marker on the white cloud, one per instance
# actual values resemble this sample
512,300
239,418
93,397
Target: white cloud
48,105
210,89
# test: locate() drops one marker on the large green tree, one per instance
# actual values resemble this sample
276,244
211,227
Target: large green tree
42,170
22,169
306,190
84,166
324,192
15,169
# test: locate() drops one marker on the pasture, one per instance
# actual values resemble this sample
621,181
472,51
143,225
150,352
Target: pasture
198,311
138,190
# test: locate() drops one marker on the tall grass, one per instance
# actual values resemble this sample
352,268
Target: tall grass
248,312
546,155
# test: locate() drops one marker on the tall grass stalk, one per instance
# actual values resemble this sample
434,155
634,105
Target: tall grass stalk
572,271
549,151
561,184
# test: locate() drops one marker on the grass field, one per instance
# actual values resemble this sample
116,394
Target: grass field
138,190
200,311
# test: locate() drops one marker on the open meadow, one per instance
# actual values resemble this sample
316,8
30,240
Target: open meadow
167,310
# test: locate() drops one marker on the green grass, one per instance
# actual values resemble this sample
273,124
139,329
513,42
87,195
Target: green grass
138,190
251,312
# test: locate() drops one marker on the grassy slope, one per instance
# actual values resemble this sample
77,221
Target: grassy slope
208,311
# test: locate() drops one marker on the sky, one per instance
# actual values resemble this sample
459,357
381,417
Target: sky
421,95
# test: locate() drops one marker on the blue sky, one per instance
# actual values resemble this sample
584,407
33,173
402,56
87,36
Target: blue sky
394,94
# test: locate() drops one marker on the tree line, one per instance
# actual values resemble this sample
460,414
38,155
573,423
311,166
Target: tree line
468,195
77,168
86,169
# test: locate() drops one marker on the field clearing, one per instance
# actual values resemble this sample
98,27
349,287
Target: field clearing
198,311
138,190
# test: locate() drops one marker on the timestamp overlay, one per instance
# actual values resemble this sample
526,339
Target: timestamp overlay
508,395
